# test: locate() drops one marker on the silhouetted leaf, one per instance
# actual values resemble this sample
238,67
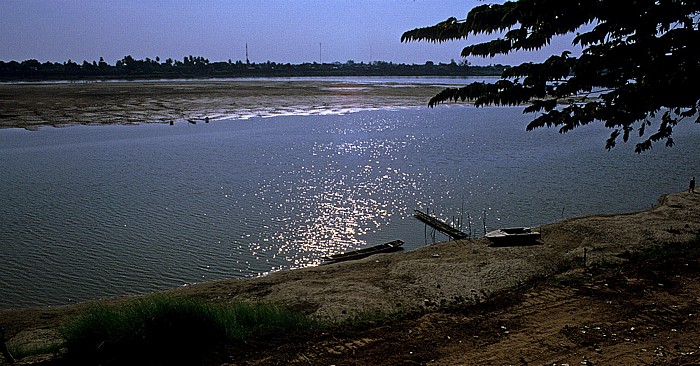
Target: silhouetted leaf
639,58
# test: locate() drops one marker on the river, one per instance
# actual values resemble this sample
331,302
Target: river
94,211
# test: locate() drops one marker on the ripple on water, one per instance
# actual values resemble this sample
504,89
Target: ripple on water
88,212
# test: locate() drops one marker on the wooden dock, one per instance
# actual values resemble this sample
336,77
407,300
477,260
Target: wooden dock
439,225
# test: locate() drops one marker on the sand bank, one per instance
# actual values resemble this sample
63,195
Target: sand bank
58,104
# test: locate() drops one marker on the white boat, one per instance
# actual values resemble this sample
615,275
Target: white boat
514,236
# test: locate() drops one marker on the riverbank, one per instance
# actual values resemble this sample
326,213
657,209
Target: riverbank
462,271
95,103
452,274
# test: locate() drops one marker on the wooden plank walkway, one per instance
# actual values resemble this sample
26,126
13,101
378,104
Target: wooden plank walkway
439,225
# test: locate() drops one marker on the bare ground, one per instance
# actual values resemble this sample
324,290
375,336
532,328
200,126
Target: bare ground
34,105
633,314
466,303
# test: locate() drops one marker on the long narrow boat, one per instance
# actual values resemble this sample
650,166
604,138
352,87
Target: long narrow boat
391,246
513,236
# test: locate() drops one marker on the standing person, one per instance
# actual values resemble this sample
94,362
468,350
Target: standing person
691,188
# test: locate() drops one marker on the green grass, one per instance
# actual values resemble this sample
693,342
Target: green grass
684,249
19,352
165,329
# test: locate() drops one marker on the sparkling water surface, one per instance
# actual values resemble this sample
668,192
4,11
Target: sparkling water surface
94,211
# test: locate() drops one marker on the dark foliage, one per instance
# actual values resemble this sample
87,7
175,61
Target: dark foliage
640,60
164,330
199,67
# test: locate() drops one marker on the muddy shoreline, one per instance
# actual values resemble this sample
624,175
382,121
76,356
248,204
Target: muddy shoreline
31,106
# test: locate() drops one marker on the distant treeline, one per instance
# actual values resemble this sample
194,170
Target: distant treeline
199,67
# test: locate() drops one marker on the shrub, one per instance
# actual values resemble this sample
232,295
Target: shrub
167,330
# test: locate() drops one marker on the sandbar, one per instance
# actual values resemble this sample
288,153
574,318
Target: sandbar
32,105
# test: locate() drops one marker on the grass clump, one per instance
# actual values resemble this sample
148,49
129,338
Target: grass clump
20,352
166,330
689,249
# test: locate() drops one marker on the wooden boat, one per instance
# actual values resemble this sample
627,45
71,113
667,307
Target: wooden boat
391,246
513,236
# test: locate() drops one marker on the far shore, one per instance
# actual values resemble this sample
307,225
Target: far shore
31,105
447,273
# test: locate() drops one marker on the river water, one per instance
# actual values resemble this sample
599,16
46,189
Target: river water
88,212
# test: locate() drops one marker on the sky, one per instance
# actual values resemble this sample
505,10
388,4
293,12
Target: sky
283,31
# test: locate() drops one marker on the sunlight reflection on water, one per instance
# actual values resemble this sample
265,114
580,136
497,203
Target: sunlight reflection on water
338,193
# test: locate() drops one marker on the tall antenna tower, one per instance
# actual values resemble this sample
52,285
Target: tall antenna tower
246,54
320,59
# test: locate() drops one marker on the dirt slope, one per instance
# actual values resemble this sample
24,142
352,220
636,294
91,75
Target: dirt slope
632,314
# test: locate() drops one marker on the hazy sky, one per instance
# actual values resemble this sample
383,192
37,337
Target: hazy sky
275,30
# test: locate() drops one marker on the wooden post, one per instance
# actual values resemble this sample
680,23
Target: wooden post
461,212
425,233
469,224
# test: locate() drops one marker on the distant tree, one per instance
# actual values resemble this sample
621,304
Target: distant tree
102,64
86,66
130,68
31,64
640,59
71,68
